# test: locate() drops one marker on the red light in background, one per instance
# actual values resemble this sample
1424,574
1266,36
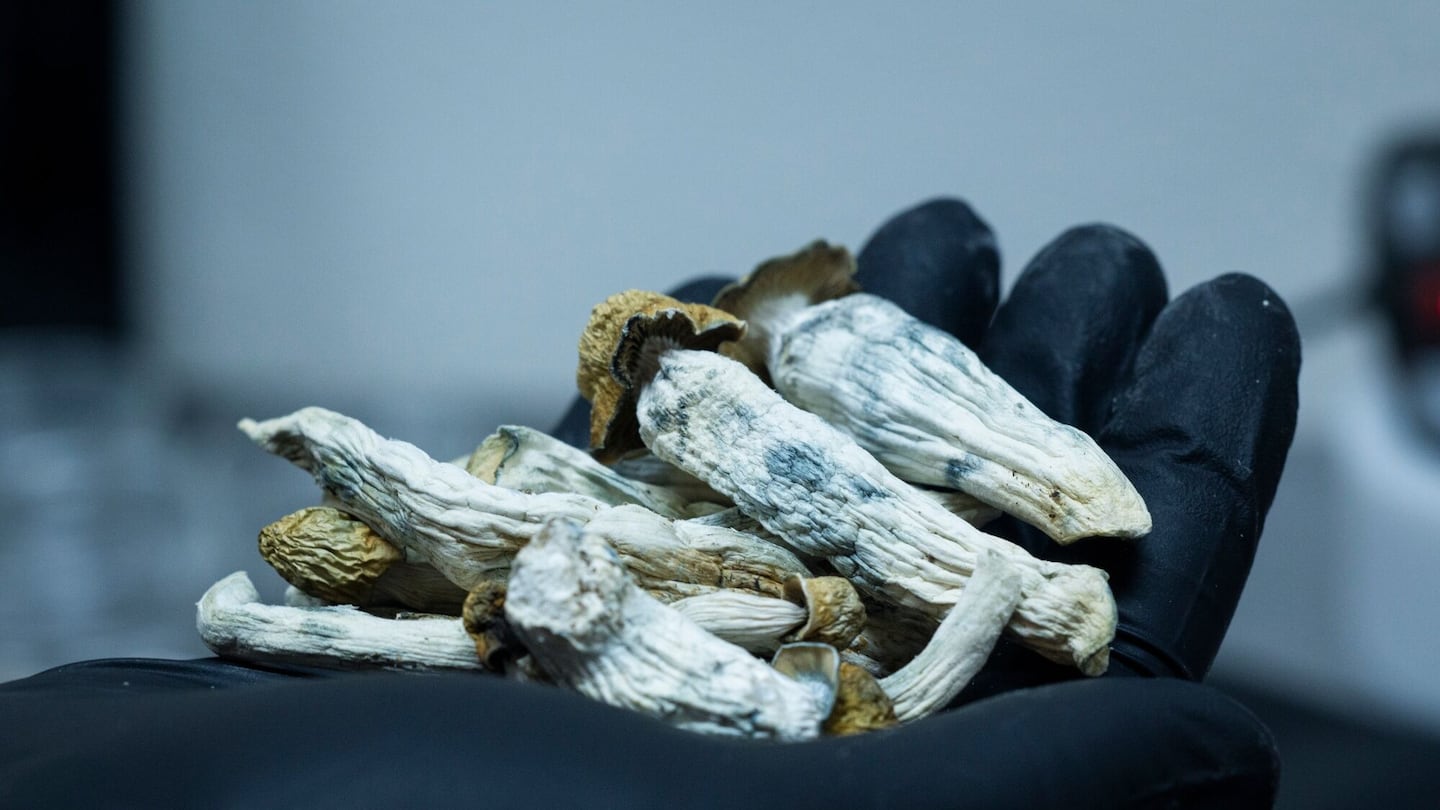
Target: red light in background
1425,295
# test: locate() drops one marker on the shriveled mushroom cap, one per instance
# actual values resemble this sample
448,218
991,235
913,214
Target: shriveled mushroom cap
327,553
818,272
836,614
815,665
860,704
617,351
484,618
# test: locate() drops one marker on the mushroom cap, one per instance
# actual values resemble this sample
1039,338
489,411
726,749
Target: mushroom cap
816,273
327,553
483,616
860,704
815,665
618,351
836,614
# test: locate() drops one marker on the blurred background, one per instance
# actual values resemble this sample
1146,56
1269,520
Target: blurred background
211,210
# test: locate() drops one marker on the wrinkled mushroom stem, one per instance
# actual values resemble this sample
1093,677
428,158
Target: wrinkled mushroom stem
469,530
592,629
961,644
461,526
234,623
825,610
922,401
528,460
811,485
750,621
808,482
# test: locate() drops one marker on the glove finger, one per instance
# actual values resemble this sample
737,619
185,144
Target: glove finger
1202,431
574,426
939,262
1069,331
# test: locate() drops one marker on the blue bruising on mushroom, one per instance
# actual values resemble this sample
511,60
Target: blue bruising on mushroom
799,463
807,466
959,468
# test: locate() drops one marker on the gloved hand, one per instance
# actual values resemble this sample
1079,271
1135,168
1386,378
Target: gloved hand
1196,402
1195,399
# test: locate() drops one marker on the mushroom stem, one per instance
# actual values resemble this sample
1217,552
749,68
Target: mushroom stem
960,645
527,460
449,518
755,623
930,411
469,530
815,487
592,629
920,400
821,609
235,624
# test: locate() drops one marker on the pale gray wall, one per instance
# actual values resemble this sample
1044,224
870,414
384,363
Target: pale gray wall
432,195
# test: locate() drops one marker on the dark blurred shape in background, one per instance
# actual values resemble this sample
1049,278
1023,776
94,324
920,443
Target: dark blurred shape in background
1405,229
59,235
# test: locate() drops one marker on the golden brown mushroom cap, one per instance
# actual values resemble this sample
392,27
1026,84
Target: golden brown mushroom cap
836,613
860,704
483,617
816,273
618,347
327,553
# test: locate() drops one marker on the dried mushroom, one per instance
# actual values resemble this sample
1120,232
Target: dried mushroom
590,628
330,555
469,530
960,645
861,704
234,623
528,460
715,520
633,325
812,485
756,623
826,610
921,401
483,616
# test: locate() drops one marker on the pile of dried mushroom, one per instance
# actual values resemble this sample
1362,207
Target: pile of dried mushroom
774,534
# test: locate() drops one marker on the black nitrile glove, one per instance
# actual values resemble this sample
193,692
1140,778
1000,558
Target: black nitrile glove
1195,399
1196,402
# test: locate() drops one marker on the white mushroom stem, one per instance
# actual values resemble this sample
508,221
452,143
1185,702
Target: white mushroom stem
675,559
235,624
592,629
815,487
962,643
468,530
646,468
757,623
527,460
930,411
456,523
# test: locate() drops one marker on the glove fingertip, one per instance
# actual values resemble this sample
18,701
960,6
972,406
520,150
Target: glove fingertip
939,262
